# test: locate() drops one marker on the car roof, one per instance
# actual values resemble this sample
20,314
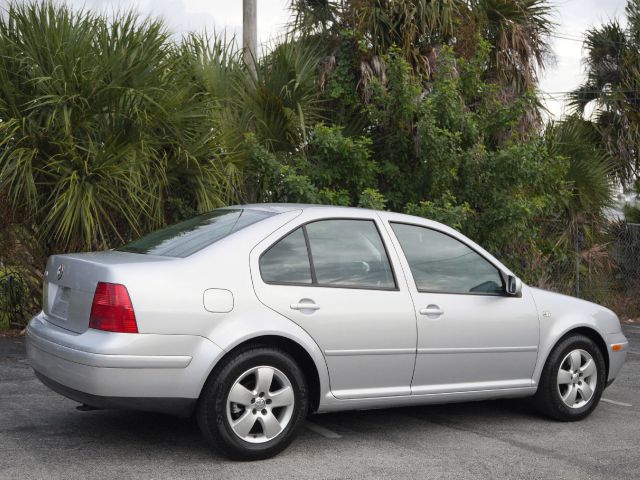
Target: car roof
287,207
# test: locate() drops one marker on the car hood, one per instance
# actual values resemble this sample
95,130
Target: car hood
556,305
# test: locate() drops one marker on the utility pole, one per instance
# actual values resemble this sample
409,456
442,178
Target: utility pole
250,34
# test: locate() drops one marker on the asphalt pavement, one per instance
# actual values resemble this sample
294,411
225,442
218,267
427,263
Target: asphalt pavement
42,435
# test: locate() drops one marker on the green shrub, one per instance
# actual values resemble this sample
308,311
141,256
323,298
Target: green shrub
100,121
14,298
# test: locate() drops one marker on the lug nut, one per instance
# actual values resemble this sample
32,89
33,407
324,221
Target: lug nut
264,412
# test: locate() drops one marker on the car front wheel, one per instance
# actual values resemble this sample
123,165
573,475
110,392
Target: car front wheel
254,405
573,379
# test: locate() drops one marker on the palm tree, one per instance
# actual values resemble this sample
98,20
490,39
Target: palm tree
517,31
612,87
100,125
283,101
582,224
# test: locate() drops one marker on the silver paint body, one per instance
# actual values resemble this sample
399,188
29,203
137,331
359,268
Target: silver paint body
371,348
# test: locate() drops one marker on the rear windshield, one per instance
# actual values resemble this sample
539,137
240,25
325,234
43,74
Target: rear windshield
185,238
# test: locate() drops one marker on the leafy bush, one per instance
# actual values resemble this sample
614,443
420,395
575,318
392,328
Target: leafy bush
100,124
372,198
444,210
14,298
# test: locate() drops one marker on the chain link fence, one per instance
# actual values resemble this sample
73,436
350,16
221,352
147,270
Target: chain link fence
626,254
608,274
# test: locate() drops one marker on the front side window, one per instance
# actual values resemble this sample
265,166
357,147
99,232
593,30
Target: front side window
440,263
340,253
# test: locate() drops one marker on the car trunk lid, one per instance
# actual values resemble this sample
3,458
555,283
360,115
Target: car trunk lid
70,282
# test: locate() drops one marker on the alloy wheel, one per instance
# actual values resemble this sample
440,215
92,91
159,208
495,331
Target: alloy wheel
577,378
260,404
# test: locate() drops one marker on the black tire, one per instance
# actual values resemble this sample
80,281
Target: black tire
548,399
212,407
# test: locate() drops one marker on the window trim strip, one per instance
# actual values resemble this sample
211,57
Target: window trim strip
312,267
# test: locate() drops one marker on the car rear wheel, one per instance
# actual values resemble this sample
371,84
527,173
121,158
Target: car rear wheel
253,406
573,379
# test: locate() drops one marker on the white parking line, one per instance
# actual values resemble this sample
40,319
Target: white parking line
635,353
325,432
622,404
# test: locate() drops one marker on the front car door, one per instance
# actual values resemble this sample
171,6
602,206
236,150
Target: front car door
471,335
336,279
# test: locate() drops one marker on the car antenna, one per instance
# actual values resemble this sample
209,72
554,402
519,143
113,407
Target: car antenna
237,192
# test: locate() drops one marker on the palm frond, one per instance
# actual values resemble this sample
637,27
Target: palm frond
102,121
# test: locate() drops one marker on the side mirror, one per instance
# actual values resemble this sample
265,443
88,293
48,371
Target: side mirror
514,286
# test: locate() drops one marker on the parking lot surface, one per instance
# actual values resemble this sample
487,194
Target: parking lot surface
42,435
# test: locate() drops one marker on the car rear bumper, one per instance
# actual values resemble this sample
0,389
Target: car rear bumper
119,370
182,407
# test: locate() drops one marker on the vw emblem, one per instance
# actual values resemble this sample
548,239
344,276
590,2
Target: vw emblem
60,271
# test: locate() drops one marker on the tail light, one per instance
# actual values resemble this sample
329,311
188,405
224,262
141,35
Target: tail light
112,310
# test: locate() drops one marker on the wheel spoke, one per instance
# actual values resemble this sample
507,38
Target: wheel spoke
270,425
570,397
282,398
239,394
576,360
243,425
264,379
585,391
588,369
564,377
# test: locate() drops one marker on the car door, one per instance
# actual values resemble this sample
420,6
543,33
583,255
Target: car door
335,278
471,335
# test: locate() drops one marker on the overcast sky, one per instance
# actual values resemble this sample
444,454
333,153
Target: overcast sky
563,74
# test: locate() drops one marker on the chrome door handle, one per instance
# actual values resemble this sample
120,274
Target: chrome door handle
304,306
432,311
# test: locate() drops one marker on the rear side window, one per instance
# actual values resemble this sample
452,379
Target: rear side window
340,253
349,253
440,263
186,238
287,261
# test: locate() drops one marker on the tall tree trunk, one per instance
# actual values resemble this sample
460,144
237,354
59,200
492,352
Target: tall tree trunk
250,34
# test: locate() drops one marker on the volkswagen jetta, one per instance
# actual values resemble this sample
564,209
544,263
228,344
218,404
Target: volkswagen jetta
251,317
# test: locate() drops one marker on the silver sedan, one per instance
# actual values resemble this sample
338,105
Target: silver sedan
251,317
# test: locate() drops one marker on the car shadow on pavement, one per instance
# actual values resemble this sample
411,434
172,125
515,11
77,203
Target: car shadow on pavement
129,431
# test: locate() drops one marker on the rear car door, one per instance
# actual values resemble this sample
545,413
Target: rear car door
471,335
336,279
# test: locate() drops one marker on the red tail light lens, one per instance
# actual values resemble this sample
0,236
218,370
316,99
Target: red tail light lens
112,310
